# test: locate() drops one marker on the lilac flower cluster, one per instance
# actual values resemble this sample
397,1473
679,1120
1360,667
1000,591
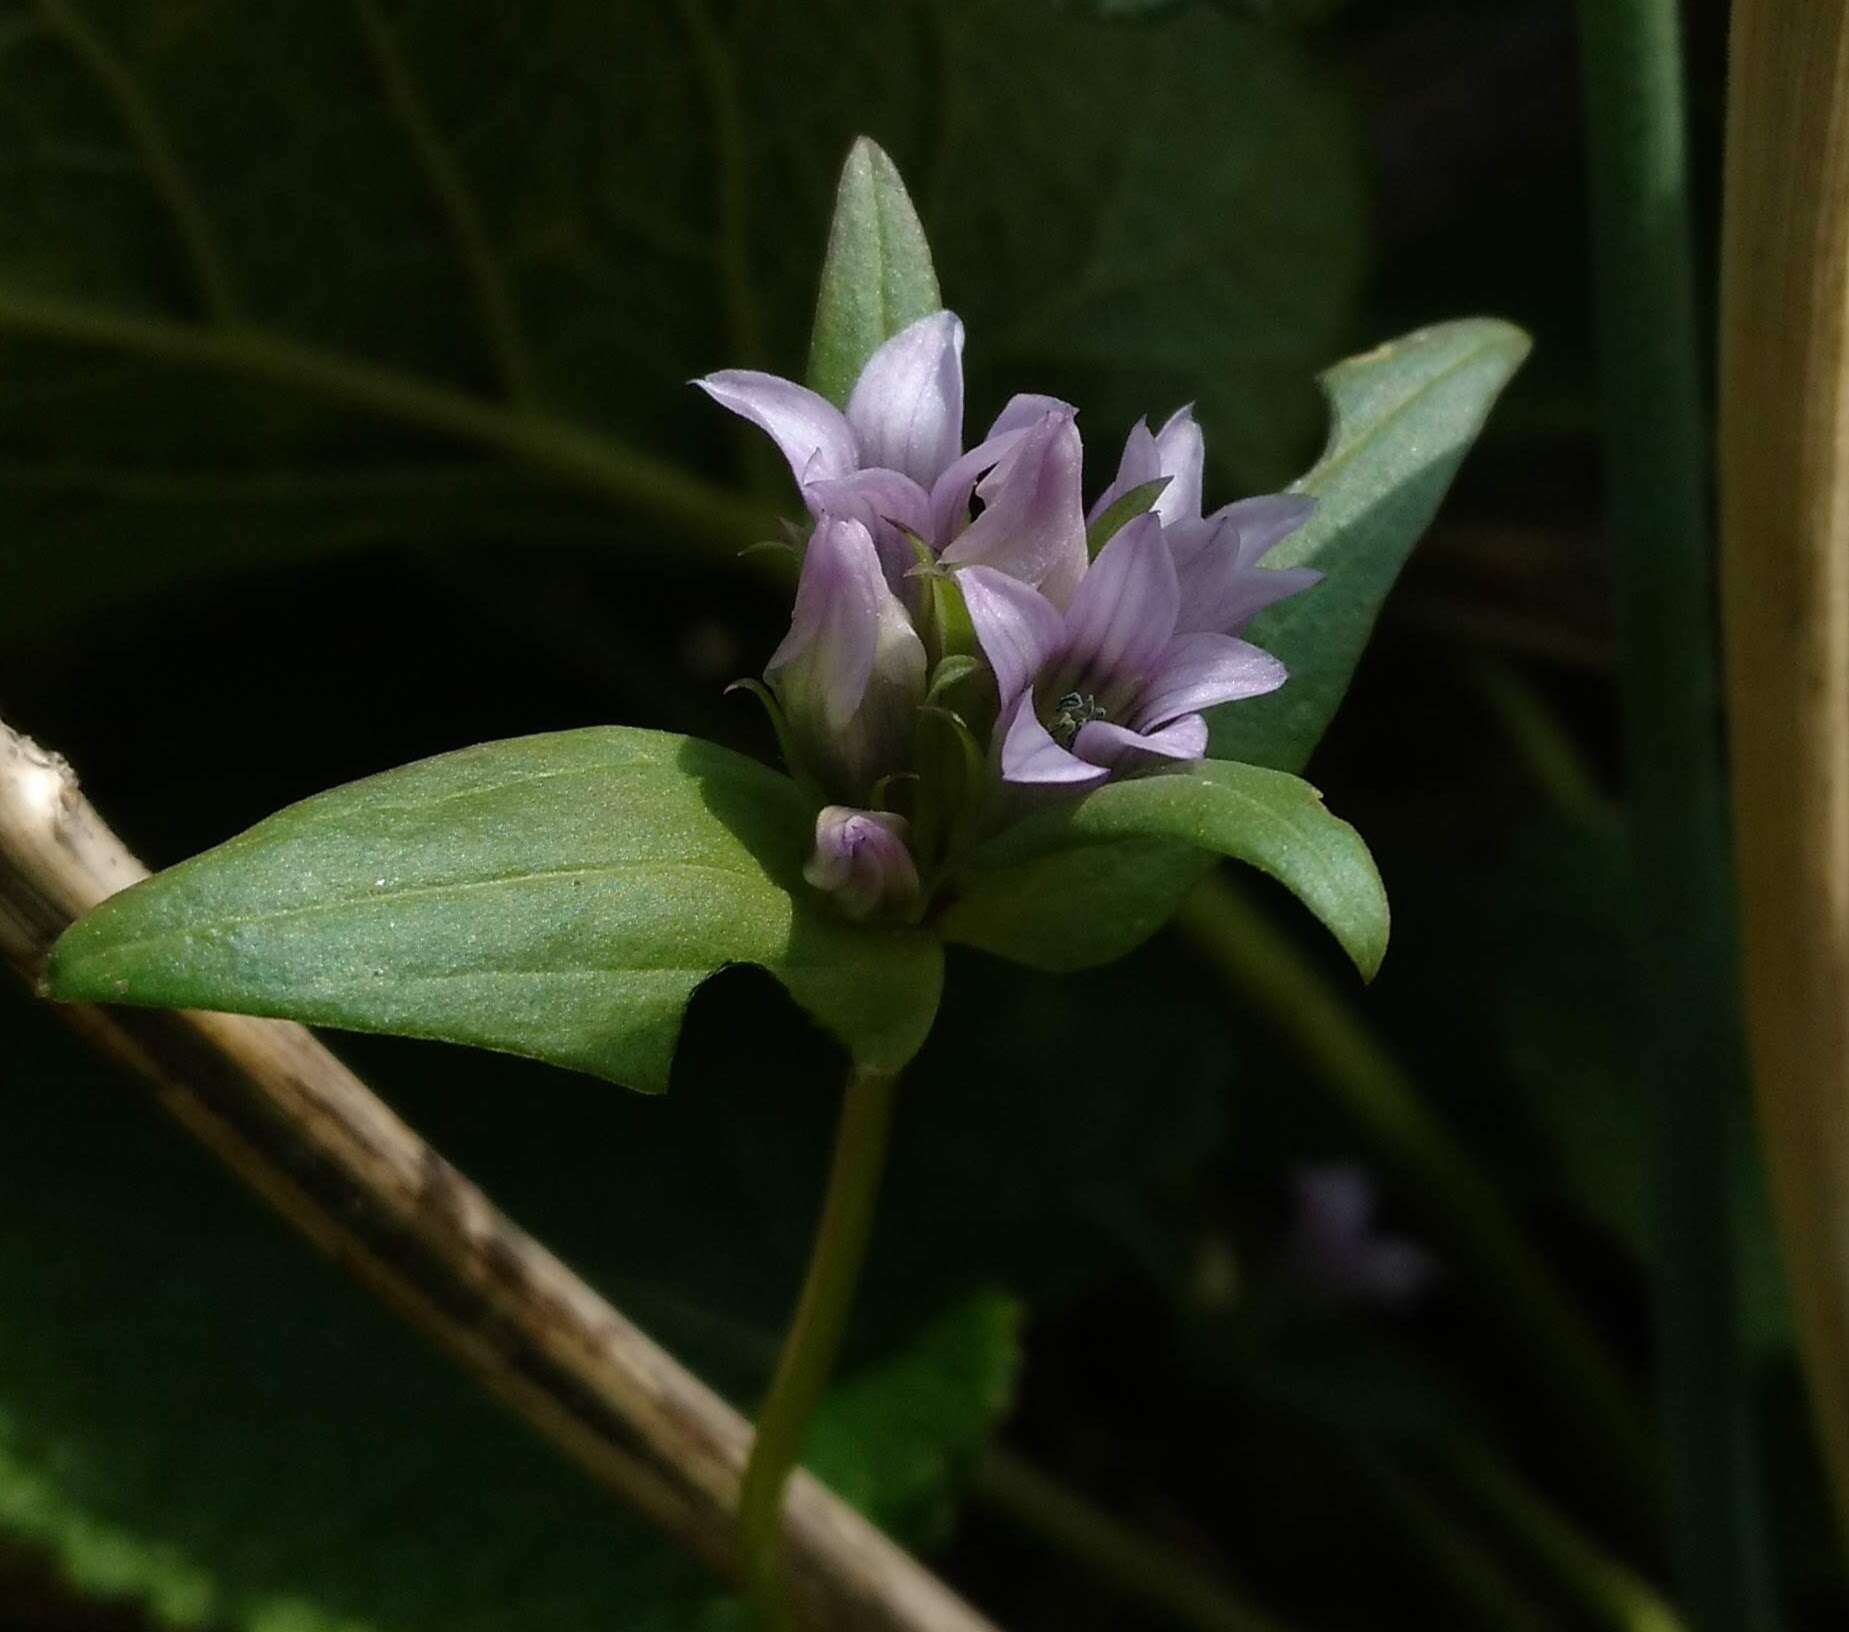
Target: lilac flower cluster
974,585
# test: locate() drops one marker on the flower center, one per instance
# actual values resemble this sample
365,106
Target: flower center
1071,712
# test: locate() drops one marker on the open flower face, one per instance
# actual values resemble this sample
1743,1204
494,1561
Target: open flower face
1113,685
894,461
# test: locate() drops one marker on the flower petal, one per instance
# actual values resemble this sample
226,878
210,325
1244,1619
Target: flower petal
1181,455
1123,616
950,494
906,409
1140,464
1216,597
1119,749
883,502
1033,521
862,861
823,664
1222,583
1019,629
812,432
1029,753
1264,521
1199,670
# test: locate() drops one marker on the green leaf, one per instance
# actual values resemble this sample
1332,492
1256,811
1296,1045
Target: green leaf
877,276
1138,501
1128,838
199,1414
1403,416
959,1370
559,897
1199,186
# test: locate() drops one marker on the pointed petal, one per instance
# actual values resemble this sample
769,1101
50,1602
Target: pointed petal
1264,521
883,502
1198,671
1140,464
906,409
1222,584
1033,522
1215,599
1181,455
812,432
872,495
1029,753
1019,630
822,666
1123,615
950,494
1120,749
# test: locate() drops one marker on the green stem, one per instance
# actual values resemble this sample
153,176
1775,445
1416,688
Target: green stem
1659,482
585,459
1611,1595
1142,1571
494,303
217,293
814,1340
1547,1332
1473,1573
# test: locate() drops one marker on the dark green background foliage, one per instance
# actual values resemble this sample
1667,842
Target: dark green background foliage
222,590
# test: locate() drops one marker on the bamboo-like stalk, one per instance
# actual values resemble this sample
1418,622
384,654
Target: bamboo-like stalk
1785,586
327,1154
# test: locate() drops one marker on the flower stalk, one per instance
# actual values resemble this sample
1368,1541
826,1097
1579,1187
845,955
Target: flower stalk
807,1360
1785,593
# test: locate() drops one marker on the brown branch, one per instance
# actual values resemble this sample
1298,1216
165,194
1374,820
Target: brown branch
324,1151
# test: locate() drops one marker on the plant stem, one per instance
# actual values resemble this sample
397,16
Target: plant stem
317,1146
1565,1355
1143,1571
1611,1595
1784,503
1658,481
585,459
814,1340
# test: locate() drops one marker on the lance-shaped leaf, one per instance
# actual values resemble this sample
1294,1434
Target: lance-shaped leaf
1403,416
556,896
1092,879
877,276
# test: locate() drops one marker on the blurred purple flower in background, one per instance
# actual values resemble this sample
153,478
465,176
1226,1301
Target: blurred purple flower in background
1335,1249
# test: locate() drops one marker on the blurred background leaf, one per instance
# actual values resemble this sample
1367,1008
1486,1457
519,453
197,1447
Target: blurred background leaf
1128,217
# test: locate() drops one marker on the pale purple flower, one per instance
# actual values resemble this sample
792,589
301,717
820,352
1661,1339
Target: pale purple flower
1114,684
850,674
1336,1248
894,461
1216,557
861,860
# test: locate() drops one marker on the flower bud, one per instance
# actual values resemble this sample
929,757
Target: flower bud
851,672
862,861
